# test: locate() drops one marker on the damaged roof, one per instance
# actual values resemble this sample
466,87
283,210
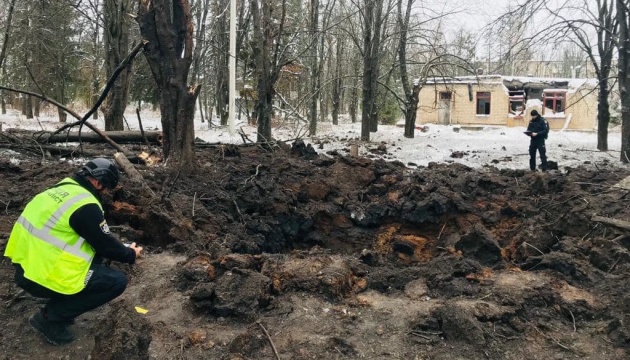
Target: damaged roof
517,82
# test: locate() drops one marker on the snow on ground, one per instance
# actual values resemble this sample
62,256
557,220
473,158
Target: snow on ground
498,146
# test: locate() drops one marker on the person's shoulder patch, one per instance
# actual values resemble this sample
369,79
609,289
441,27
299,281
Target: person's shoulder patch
104,227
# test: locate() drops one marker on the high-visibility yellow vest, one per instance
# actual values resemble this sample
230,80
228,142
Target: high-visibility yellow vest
51,253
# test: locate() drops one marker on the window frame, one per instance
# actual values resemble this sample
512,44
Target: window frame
516,97
487,97
556,96
446,95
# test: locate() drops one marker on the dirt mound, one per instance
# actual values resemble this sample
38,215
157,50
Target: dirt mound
285,253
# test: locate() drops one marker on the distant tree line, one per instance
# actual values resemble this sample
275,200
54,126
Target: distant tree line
310,61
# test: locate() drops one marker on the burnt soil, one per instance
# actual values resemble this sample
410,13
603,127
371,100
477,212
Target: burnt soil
283,253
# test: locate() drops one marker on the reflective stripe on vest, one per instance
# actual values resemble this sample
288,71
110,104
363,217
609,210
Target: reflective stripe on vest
44,243
44,233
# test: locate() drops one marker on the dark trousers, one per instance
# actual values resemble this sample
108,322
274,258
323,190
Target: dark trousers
104,285
537,145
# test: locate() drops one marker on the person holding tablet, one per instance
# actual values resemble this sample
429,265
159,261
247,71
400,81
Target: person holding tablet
537,130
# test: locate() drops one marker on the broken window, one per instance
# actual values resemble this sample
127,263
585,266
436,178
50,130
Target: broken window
517,102
445,95
483,103
554,101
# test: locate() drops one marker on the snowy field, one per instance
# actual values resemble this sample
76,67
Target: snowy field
502,147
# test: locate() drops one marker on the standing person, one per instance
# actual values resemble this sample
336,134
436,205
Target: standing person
537,130
57,245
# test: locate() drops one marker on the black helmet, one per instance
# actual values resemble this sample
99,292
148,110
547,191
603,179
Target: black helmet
102,170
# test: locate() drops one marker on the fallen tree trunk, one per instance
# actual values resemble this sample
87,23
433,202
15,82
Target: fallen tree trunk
121,137
128,168
35,148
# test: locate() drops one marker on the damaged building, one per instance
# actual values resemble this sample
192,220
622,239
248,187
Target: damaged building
508,100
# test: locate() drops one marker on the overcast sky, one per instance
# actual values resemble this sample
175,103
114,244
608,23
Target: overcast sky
475,15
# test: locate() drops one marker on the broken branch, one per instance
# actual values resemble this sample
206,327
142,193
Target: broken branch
128,168
615,222
269,339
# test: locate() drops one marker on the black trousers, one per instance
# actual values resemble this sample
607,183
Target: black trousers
104,285
537,145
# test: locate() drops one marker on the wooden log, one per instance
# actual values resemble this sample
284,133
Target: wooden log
128,168
54,150
121,137
615,222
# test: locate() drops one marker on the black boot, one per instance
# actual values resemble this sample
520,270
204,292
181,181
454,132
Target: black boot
57,333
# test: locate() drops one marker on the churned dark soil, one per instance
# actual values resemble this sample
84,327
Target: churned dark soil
286,254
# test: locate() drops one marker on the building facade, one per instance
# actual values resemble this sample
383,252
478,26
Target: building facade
507,101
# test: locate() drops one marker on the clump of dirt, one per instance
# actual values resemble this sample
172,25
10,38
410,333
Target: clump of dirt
284,253
124,334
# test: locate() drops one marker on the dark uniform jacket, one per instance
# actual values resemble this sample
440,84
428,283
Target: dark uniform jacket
540,126
88,221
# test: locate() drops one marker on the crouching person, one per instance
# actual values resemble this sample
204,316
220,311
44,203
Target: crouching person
54,244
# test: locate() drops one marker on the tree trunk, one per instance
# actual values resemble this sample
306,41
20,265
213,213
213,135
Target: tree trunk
371,45
411,92
374,61
7,32
95,61
63,117
606,32
61,97
167,25
95,88
201,15
116,40
411,110
222,95
222,44
367,101
324,91
603,115
337,85
199,55
28,107
3,52
266,47
624,72
264,110
354,92
314,80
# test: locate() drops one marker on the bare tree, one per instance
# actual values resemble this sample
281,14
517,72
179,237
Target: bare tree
200,10
353,102
221,42
116,41
96,51
315,79
602,21
271,51
623,18
167,26
3,50
372,21
337,87
411,92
